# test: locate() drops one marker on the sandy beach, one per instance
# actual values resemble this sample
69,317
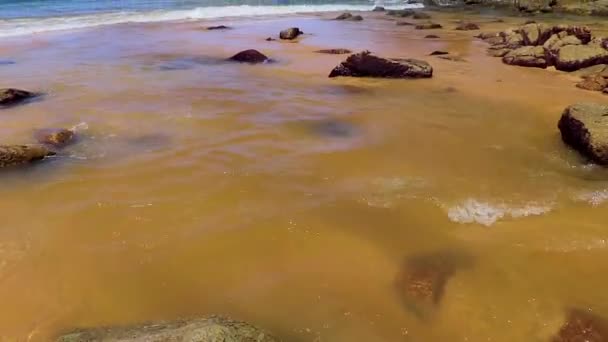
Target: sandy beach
279,196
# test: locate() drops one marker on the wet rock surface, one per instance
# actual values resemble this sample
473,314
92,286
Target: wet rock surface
290,33
582,326
12,96
584,127
54,137
11,155
365,64
198,330
249,56
334,51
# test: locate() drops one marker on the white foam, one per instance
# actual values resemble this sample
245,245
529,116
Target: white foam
23,26
473,211
595,198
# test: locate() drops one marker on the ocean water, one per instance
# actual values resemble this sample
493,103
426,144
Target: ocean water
19,17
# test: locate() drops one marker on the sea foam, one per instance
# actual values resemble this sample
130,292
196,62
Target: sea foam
23,26
474,211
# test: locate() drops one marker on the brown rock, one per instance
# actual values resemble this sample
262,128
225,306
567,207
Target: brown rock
54,137
556,42
452,58
438,53
583,33
249,56
574,57
513,39
344,16
431,36
498,51
536,34
582,326
355,18
401,13
584,127
365,64
467,27
11,155
334,51
421,15
594,83
290,33
11,96
405,23
528,56
428,26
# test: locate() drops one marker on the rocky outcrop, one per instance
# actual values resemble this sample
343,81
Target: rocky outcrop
249,56
428,26
334,51
584,127
574,57
467,27
290,33
527,56
536,34
54,137
365,64
582,326
12,96
197,330
11,155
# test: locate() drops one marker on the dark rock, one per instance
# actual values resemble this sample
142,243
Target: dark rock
219,27
574,57
472,2
334,51
378,9
365,64
401,13
344,16
270,39
11,96
529,22
355,18
198,330
431,36
594,83
438,53
11,155
428,26
249,56
333,129
54,137
605,91
467,27
290,33
582,326
528,56
421,15
405,23
534,5
584,127
6,62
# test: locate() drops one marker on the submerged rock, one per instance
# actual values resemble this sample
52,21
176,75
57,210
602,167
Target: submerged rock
421,15
334,51
365,64
428,26
467,27
218,27
213,329
528,56
11,96
11,155
438,53
582,326
595,83
290,33
344,16
55,137
405,23
584,127
401,13
249,56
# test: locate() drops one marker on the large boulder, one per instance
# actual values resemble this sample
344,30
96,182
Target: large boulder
584,127
574,57
528,56
12,96
249,56
290,33
365,64
11,155
582,326
536,34
199,330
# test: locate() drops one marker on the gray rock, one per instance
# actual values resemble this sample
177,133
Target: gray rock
534,5
12,96
213,329
365,64
528,56
11,155
584,127
290,33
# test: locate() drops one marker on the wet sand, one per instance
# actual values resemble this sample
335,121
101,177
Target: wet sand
276,195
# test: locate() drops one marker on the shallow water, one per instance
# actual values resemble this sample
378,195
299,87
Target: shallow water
276,195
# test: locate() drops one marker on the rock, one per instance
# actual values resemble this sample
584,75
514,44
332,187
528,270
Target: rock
198,330
528,56
270,39
530,22
555,42
582,326
335,51
534,5
355,18
513,39
219,27
438,53
605,91
365,64
472,2
290,33
452,58
594,83
581,32
11,155
54,137
467,27
428,26
333,129
486,35
599,69
249,56
574,57
401,13
498,51
584,127
344,16
421,15
536,34
378,9
431,36
405,23
11,96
